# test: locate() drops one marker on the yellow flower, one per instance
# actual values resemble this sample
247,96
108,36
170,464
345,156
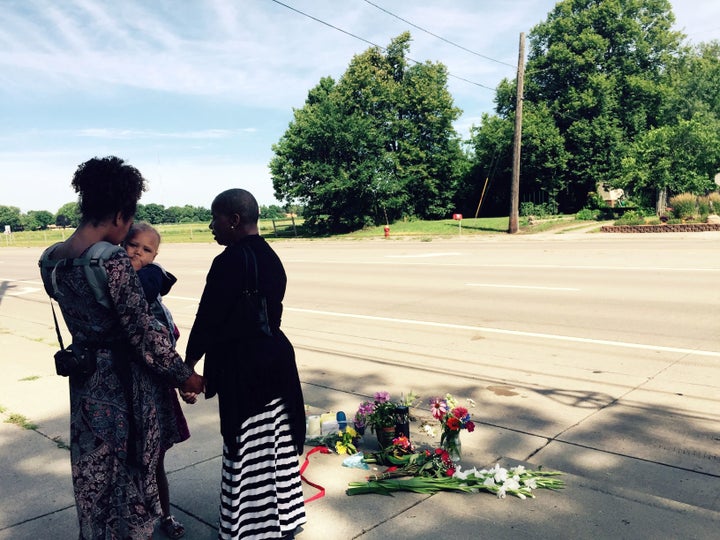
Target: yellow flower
340,448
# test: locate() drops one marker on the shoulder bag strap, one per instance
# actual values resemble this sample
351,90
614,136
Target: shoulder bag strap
253,269
57,327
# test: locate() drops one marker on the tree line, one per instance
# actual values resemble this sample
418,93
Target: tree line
69,216
613,97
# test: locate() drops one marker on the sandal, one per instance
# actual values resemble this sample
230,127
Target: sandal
172,527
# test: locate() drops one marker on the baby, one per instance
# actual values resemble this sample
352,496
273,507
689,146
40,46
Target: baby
142,243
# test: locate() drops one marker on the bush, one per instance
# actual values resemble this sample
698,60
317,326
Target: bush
537,210
631,217
594,201
714,200
586,214
703,206
684,206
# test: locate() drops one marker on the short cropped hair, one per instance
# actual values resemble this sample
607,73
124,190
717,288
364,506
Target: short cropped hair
238,201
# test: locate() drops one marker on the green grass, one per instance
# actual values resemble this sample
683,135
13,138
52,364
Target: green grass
442,228
60,443
422,230
21,421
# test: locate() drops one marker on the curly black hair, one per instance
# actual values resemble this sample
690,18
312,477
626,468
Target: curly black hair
106,186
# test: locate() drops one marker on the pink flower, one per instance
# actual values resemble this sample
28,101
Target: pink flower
382,397
438,407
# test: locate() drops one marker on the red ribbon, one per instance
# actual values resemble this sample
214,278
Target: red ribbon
321,493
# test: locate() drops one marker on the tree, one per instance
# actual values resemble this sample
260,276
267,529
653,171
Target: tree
68,215
272,212
152,213
10,215
37,220
601,68
375,146
675,158
491,161
598,78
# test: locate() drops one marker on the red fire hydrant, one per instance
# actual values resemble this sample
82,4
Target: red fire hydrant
387,231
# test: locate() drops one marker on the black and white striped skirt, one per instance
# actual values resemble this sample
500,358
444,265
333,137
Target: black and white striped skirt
261,489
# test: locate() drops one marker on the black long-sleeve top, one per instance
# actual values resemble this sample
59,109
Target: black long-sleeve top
245,368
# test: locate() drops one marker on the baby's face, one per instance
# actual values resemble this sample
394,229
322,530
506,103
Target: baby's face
142,249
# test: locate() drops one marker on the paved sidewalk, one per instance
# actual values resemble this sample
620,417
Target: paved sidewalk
37,497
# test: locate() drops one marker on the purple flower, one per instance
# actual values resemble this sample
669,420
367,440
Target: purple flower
366,408
382,397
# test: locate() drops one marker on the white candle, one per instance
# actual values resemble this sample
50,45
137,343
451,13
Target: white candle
313,427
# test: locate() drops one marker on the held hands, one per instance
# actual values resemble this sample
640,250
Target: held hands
193,385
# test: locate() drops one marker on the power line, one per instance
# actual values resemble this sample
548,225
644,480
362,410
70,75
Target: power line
371,43
438,37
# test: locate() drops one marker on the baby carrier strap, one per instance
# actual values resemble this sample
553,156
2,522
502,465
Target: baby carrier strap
93,263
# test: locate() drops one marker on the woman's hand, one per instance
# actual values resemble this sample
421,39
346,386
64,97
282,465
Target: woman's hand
188,397
194,384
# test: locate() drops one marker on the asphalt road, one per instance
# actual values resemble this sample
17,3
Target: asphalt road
595,354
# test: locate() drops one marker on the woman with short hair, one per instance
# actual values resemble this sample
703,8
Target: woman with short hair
251,366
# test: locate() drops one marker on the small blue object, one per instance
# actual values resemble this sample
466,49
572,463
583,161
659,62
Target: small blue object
341,420
355,461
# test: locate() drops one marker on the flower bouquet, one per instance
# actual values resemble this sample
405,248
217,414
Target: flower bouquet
398,453
453,419
382,416
343,441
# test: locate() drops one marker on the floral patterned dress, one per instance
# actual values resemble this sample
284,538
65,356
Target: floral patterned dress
114,431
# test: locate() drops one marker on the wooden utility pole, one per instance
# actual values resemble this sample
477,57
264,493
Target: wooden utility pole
515,183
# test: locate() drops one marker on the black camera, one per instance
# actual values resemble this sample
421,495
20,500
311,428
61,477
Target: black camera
74,361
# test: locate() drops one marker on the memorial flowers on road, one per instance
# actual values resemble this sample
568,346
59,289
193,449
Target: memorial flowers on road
432,471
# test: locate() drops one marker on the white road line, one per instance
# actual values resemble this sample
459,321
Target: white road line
423,255
521,287
485,329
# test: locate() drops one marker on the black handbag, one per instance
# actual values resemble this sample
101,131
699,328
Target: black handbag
73,360
252,305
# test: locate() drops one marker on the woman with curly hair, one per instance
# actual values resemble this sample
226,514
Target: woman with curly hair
114,432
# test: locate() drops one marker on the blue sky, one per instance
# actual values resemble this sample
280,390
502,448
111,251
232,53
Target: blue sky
195,92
